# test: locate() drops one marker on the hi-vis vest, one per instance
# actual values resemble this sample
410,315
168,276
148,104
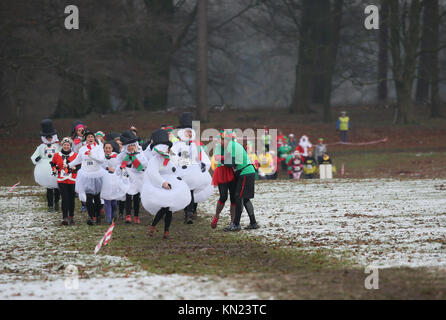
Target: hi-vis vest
343,123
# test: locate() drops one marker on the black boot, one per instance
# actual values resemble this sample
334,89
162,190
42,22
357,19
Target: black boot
188,217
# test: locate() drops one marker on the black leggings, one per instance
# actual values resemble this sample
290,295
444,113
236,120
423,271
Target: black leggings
121,206
191,206
224,189
67,194
167,218
93,205
239,204
128,204
52,194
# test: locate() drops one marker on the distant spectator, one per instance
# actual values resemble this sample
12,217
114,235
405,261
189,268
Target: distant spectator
343,125
266,139
267,169
295,166
292,141
320,149
310,166
281,139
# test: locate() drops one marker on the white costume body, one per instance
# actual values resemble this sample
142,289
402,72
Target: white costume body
114,185
136,178
43,173
188,163
90,176
153,195
76,147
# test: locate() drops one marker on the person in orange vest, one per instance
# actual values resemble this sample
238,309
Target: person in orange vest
343,125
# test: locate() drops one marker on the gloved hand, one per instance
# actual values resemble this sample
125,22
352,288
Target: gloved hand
203,167
38,158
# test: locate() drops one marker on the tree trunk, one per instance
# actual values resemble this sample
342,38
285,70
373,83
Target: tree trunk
383,56
202,61
426,56
302,89
404,61
434,67
330,59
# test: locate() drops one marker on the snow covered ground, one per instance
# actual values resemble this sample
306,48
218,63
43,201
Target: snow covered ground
385,223
33,264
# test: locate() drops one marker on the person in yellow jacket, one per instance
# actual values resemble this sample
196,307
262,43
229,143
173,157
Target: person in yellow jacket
343,125
267,168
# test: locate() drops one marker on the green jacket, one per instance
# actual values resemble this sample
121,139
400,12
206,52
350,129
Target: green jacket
240,159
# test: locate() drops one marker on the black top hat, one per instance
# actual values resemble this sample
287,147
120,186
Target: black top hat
46,128
112,136
160,136
186,120
128,137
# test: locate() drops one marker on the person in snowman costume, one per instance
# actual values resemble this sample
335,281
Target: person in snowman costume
193,165
163,192
41,158
132,163
90,177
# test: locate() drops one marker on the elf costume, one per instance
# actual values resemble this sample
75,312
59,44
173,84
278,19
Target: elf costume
161,170
41,158
223,178
244,173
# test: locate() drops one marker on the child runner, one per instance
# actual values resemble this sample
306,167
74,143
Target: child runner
90,177
41,158
66,179
163,191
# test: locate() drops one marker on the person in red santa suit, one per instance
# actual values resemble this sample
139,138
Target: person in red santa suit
66,179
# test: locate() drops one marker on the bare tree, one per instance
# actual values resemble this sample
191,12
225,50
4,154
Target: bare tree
202,61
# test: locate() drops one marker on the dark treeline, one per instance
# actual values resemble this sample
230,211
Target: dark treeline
149,54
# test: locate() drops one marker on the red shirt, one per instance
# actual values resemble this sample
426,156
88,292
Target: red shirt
64,175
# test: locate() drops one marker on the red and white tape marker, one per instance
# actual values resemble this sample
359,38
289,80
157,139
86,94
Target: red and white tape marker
105,239
13,187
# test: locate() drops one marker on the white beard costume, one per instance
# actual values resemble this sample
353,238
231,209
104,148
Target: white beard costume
153,195
43,173
305,144
189,166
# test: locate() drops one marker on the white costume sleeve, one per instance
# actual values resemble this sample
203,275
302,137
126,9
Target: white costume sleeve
153,171
97,154
76,161
36,154
142,158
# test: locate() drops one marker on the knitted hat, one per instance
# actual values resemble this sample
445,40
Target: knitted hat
75,126
99,133
67,140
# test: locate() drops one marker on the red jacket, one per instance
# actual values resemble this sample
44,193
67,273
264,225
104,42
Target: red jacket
66,175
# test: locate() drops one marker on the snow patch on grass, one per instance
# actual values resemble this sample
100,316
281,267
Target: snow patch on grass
380,222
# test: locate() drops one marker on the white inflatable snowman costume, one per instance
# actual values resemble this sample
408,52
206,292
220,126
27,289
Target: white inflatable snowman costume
41,158
160,169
